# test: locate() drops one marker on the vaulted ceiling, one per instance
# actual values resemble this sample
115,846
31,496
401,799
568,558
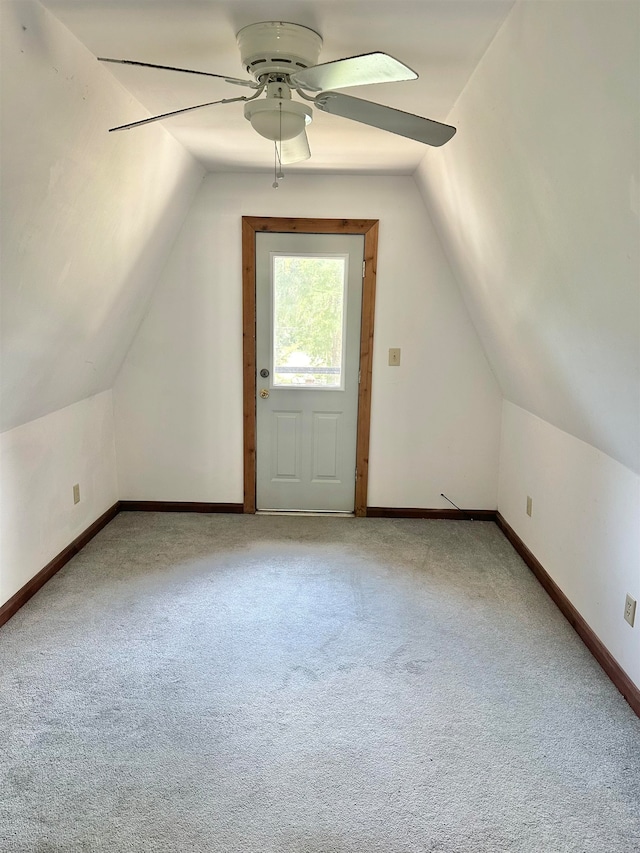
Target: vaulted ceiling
535,198
442,40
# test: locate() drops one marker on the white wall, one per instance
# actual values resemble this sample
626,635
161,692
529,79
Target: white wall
537,199
39,464
585,524
178,398
88,217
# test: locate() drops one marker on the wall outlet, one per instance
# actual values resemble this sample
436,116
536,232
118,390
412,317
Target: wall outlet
394,357
630,610
76,493
529,505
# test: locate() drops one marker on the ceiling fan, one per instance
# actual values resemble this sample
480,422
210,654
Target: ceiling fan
281,57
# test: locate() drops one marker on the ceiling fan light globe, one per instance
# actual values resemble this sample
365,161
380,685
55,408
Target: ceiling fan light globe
267,124
277,119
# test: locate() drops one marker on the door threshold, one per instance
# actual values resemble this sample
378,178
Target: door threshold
332,513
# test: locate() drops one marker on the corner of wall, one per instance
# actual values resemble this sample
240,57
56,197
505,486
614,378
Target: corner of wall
583,527
40,462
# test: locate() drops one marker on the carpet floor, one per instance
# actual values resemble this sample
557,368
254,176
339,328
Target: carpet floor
263,684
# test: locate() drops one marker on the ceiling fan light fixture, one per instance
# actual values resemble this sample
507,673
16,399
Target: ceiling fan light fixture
278,119
282,57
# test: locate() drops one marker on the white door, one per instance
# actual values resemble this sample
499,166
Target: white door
308,315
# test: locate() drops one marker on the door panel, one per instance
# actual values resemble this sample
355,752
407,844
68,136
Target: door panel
326,445
308,316
286,431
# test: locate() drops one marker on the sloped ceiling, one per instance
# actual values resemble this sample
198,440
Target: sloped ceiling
88,217
87,220
443,40
537,199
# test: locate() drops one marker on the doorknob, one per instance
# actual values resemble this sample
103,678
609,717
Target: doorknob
264,393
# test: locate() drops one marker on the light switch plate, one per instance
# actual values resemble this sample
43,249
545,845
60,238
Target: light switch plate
394,357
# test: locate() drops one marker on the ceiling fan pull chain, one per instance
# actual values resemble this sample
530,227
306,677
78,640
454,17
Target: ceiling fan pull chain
280,173
275,183
277,160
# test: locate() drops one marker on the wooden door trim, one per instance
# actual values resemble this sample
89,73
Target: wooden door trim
252,225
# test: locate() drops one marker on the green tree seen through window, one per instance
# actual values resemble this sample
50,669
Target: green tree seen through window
308,319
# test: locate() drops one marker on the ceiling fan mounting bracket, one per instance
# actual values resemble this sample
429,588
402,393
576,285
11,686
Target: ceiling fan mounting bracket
277,47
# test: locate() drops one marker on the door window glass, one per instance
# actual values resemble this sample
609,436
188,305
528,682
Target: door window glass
308,320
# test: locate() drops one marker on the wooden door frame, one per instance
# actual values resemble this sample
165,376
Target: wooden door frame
251,225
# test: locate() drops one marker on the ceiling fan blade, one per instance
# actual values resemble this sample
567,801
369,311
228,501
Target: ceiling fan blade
236,81
175,113
295,150
386,118
353,71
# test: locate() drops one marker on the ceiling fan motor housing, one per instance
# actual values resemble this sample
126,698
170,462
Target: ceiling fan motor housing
275,47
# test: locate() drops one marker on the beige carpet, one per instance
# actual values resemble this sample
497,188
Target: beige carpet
247,684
